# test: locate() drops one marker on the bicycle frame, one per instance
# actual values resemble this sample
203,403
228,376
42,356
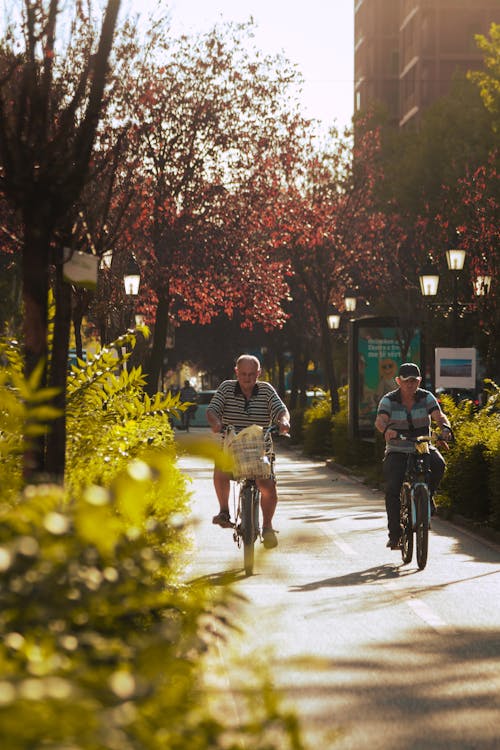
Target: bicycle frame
247,524
415,504
417,473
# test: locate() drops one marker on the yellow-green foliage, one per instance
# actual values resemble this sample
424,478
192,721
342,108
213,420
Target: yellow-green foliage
110,418
342,448
471,484
102,644
317,424
24,413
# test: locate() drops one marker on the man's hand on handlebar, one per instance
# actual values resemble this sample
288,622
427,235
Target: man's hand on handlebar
444,437
215,423
283,427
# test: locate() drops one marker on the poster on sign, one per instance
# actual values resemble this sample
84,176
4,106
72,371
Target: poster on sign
377,347
455,368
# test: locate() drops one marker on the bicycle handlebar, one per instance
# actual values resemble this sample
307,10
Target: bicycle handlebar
428,438
273,429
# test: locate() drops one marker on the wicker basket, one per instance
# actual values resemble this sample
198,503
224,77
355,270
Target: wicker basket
250,452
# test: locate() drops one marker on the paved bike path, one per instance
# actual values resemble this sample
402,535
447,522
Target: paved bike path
373,654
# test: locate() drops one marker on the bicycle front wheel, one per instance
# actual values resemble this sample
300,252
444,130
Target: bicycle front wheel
248,528
406,523
422,510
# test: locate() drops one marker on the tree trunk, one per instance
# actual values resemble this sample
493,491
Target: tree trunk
159,342
326,343
299,377
56,439
35,298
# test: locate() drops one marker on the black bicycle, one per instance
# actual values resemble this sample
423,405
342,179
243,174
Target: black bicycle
415,501
254,459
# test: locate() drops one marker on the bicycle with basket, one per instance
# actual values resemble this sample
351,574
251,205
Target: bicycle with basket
252,458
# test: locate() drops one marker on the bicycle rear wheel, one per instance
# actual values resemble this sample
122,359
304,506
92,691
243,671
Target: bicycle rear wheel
249,528
422,509
406,523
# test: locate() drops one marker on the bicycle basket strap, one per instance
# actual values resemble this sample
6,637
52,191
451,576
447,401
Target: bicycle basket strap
248,451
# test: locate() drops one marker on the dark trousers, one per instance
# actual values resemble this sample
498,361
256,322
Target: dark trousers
394,466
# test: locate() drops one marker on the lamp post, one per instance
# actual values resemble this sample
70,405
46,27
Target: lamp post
333,318
131,282
429,283
132,277
350,300
333,321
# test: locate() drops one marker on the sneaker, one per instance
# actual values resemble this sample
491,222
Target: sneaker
223,519
269,538
394,544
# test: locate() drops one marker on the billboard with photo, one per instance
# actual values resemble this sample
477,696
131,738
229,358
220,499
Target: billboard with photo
377,348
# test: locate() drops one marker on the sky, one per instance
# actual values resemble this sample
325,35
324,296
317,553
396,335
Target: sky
316,35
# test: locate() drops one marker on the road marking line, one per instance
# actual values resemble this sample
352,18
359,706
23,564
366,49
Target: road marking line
420,608
344,546
426,614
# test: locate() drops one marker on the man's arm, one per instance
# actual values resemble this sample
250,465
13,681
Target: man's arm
382,425
440,418
214,421
215,410
283,421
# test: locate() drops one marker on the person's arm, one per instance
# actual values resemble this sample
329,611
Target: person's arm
215,410
383,420
279,414
214,421
283,421
439,417
382,425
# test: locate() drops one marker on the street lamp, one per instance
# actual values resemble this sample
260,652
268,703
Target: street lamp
106,259
482,285
333,318
350,300
132,277
429,281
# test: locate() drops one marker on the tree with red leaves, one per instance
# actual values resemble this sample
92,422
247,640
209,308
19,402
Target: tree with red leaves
336,237
214,122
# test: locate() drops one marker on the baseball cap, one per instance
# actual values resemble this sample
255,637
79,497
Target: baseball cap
409,370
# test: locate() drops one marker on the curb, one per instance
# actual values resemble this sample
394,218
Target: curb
475,527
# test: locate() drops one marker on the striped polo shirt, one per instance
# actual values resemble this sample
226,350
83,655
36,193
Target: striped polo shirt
232,407
411,423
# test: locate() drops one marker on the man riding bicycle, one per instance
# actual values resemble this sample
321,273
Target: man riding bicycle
243,402
407,411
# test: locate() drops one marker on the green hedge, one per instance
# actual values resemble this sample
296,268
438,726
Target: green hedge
471,484
317,427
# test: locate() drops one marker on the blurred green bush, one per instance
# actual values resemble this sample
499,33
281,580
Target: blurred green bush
103,643
471,485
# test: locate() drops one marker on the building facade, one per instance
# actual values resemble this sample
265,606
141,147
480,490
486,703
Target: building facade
407,51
